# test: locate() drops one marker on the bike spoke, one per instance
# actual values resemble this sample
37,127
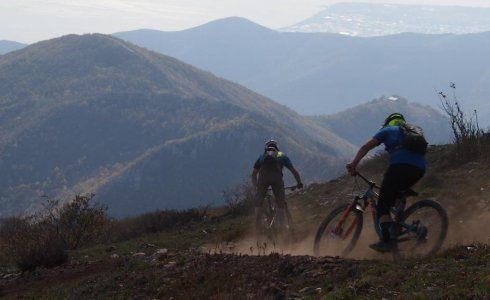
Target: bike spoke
349,230
339,232
426,227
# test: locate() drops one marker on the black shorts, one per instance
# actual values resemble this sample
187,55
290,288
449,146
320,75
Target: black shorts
277,185
397,178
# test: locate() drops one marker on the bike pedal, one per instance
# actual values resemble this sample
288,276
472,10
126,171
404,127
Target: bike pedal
421,233
382,246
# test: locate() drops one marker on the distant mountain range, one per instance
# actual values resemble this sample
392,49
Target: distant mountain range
360,123
376,19
92,113
9,46
323,73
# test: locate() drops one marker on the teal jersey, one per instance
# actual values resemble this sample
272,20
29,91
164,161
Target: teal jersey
282,159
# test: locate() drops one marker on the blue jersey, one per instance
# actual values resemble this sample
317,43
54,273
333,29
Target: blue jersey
282,159
392,137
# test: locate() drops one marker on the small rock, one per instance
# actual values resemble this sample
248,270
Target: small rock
139,254
10,276
307,290
171,264
159,254
110,249
114,256
148,245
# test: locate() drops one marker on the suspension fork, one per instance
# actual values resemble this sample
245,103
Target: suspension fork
344,217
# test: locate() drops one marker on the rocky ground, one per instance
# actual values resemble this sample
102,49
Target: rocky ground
459,273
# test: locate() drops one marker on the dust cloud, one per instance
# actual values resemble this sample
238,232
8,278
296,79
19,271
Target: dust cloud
463,230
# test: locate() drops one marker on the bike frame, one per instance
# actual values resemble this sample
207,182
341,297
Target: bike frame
345,222
370,199
269,202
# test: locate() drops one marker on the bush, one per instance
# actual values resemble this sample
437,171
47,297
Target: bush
472,142
41,240
29,245
240,200
154,222
78,223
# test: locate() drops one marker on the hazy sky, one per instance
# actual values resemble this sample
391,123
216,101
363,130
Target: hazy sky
30,21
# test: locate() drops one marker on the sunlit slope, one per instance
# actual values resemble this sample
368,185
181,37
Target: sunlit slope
144,131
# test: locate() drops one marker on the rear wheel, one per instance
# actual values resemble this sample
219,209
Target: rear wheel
269,227
422,231
339,232
287,230
265,223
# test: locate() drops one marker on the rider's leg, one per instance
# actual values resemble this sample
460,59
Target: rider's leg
279,195
396,178
387,194
386,224
259,200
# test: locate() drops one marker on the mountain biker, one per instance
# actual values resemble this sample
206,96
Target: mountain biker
405,169
267,172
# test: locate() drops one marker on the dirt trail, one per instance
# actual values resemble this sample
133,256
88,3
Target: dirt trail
463,229
58,276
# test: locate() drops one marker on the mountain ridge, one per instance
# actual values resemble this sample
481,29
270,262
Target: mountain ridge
326,73
7,46
378,19
80,113
357,124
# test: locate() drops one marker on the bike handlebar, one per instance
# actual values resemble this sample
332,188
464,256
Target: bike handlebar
369,182
291,188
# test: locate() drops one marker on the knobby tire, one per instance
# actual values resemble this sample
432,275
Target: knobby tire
323,235
437,238
272,231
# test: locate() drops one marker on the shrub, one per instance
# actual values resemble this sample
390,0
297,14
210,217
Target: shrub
41,240
154,222
29,245
78,222
470,140
240,200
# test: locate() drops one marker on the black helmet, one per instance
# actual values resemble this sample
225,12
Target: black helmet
272,144
394,119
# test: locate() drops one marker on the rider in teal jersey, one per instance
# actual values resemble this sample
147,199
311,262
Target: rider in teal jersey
267,174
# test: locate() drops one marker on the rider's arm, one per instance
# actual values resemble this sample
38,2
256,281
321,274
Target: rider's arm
351,167
254,177
296,176
255,171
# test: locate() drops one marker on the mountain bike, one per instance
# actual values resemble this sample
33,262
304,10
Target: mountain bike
268,225
420,229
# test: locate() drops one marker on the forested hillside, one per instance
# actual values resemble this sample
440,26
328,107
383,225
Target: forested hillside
95,114
9,46
357,124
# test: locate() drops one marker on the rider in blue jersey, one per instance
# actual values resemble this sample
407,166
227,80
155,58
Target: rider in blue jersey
405,169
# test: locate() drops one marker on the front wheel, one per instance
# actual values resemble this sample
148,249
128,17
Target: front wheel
339,232
422,230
